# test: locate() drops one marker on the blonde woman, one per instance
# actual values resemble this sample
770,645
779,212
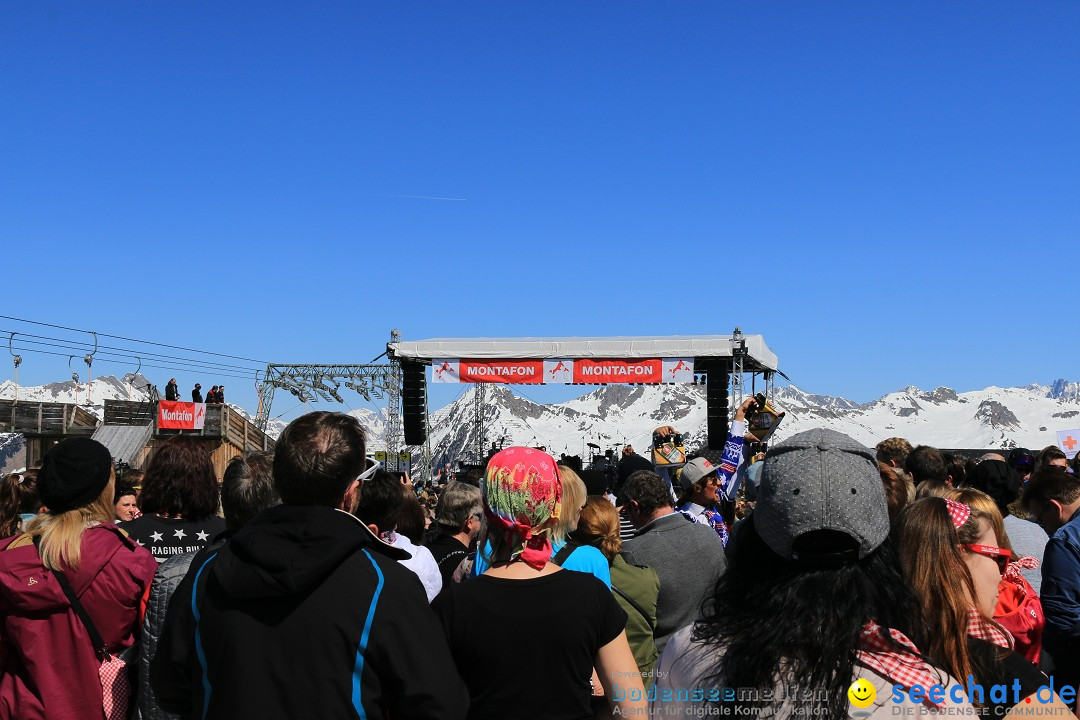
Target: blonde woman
568,553
48,665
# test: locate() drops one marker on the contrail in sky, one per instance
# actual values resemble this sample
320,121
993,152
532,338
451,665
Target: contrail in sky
422,197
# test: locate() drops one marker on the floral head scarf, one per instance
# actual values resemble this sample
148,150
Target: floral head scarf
522,494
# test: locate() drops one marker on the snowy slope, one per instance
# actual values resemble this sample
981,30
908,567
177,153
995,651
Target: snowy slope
618,414
130,387
613,415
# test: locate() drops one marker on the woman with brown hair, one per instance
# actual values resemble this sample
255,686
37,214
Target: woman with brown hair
179,500
1018,609
954,561
636,588
19,501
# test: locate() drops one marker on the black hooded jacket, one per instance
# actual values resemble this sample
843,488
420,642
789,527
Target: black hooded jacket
304,613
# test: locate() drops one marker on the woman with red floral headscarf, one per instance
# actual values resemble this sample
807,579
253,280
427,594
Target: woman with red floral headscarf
526,634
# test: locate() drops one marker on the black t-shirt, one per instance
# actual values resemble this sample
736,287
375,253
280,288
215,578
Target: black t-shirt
166,537
448,552
526,648
1007,666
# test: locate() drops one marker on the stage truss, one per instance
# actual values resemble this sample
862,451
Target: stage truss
736,354
310,383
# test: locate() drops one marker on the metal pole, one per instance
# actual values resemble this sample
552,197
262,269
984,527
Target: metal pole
394,436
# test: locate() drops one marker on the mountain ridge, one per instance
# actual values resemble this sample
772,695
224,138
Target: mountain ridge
614,415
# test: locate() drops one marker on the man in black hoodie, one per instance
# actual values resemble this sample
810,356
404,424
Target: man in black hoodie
306,613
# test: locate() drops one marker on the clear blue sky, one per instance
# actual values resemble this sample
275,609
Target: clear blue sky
888,192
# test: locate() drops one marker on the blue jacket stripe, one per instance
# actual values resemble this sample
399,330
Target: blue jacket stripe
198,638
358,671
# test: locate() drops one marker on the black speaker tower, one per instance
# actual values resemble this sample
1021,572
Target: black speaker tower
414,402
716,409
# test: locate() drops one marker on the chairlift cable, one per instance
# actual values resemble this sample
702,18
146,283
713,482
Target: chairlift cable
127,339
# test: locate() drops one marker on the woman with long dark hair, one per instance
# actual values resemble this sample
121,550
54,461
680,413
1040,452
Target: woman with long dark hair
179,500
813,598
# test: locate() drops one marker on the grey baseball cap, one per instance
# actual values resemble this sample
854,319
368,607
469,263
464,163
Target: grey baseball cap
694,471
821,480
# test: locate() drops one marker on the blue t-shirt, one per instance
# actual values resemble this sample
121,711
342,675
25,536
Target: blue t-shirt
586,559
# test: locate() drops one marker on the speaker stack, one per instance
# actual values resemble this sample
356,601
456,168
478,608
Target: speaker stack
716,409
414,402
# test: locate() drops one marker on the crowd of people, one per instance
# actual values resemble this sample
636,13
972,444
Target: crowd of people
311,582
216,394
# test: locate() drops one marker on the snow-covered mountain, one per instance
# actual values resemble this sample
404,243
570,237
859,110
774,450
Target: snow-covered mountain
131,387
374,423
618,414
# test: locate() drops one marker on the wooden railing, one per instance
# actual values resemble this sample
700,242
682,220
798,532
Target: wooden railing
45,418
225,423
125,412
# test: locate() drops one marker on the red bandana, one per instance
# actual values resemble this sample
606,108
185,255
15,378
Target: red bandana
901,664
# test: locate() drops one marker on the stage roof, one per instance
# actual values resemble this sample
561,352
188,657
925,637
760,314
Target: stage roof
758,356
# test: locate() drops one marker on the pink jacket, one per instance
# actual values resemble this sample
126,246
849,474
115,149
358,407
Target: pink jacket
48,668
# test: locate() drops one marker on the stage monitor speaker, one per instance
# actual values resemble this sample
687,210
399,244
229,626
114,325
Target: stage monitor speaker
716,409
414,402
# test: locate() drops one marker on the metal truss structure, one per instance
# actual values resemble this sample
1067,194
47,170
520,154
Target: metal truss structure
738,355
479,408
314,383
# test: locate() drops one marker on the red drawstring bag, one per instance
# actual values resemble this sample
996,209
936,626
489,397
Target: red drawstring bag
1020,612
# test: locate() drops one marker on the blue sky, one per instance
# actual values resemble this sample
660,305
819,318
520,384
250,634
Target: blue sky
888,192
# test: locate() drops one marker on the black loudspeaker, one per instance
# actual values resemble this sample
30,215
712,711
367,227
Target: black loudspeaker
716,409
414,402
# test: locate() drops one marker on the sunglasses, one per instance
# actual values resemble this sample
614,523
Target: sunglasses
999,555
368,474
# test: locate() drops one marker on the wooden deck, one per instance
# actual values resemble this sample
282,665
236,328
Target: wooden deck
222,422
45,419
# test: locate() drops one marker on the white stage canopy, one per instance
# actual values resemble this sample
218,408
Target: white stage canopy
758,357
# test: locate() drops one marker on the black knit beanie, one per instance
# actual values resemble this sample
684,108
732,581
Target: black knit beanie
73,474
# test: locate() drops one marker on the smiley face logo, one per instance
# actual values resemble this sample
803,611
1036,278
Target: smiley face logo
862,693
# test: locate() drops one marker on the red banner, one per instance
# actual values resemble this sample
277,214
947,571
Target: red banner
564,371
181,415
515,372
618,371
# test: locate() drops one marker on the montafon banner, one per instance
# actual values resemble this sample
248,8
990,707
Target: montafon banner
554,371
181,415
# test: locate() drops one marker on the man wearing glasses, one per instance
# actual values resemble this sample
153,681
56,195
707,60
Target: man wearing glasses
305,612
1053,500
458,517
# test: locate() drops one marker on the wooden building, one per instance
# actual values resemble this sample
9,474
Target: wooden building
44,424
225,432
